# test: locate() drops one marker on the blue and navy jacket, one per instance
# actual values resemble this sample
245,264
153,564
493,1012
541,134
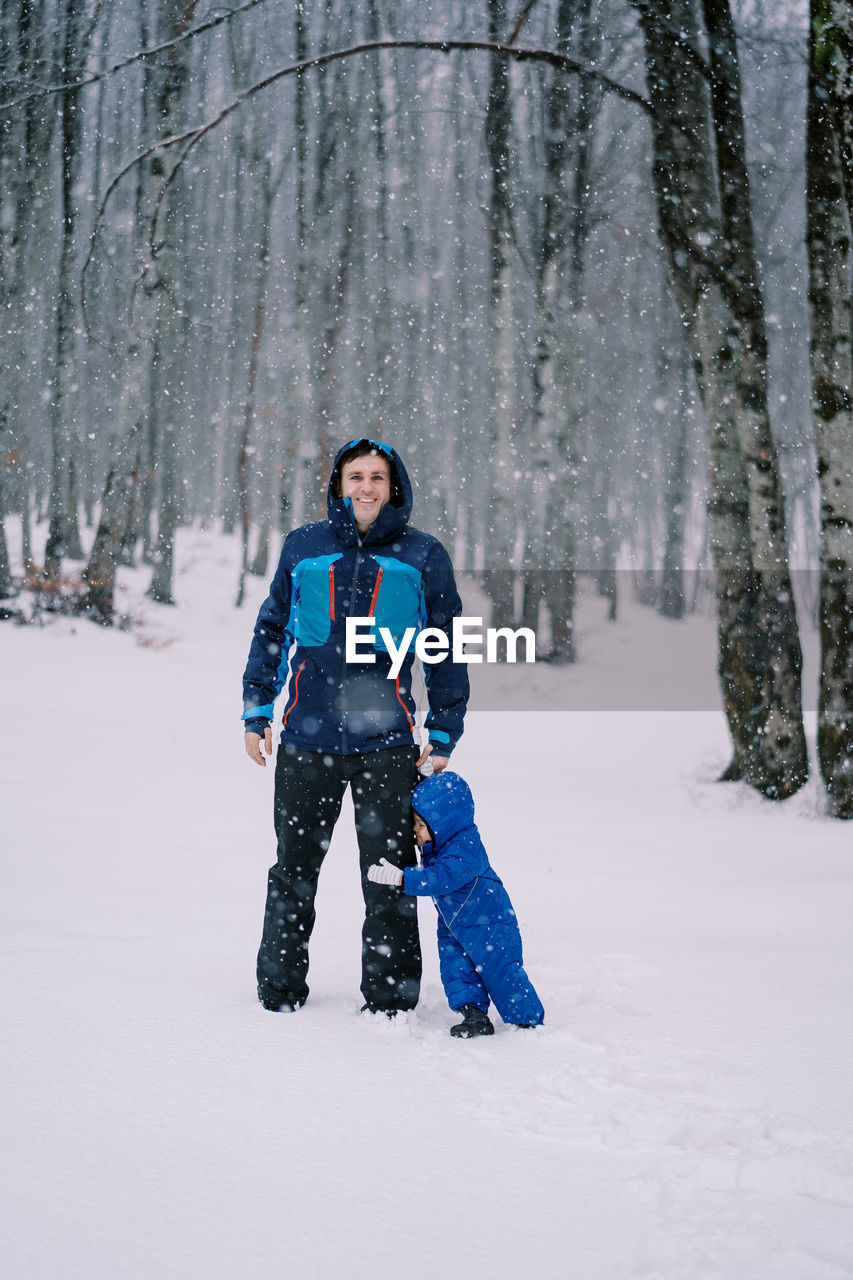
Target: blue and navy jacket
395,574
455,868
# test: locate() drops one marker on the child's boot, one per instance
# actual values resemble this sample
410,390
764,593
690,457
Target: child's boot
476,1023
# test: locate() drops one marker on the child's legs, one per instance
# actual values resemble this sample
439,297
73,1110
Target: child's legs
495,949
462,984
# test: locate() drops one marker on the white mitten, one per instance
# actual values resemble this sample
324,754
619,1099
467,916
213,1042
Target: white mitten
384,873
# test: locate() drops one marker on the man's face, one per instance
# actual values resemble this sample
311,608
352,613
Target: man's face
421,830
367,482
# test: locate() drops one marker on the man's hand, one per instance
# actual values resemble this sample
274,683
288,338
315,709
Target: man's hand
385,872
257,745
437,762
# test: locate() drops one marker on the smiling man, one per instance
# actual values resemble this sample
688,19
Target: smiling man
348,723
366,482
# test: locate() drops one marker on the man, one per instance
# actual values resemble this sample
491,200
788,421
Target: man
347,723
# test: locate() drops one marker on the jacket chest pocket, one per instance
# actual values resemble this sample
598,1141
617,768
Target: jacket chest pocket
397,599
314,599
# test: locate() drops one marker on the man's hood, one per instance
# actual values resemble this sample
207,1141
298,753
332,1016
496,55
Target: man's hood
393,517
445,803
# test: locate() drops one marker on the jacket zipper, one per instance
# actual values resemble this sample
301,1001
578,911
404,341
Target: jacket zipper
295,693
403,705
375,594
449,923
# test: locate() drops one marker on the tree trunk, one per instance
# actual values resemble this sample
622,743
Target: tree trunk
471,496
713,272
154,294
672,599
260,240
64,532
550,546
782,762
381,299
828,232
503,438
25,198
9,141
832,62
570,369
336,197
6,584
101,567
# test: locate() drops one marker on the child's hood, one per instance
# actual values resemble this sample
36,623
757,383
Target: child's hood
445,803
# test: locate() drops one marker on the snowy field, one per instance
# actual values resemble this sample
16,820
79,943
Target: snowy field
685,1114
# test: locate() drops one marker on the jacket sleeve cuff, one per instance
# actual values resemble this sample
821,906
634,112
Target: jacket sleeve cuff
414,883
257,724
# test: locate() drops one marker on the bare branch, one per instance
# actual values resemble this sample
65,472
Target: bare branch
520,21
143,55
192,137
161,145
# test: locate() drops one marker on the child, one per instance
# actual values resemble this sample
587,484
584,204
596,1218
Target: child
479,943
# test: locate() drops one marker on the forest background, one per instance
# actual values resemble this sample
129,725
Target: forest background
585,262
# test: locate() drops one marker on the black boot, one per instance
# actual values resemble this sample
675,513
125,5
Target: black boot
277,1002
369,1008
476,1023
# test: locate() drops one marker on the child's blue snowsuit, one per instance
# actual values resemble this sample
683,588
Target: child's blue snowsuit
479,943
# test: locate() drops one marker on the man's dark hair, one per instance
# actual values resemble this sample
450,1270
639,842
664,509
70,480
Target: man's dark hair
364,449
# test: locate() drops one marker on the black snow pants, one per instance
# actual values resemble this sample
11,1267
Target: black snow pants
309,790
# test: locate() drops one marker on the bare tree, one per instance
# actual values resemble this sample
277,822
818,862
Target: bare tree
782,748
155,309
27,235
259,222
64,534
828,231
10,38
705,222
504,425
831,28
551,545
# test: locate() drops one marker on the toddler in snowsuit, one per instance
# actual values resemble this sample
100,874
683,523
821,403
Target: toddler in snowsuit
479,943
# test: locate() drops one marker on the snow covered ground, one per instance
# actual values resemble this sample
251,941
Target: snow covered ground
685,1114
